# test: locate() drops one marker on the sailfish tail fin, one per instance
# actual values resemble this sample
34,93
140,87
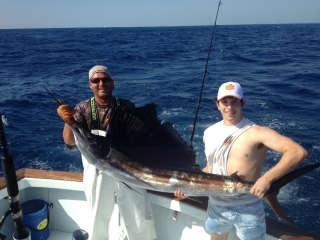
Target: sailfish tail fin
272,201
271,195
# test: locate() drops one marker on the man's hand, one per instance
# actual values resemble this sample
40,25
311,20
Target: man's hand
179,194
66,113
261,187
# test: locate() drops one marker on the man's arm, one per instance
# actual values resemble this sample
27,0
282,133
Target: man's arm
68,136
66,113
292,155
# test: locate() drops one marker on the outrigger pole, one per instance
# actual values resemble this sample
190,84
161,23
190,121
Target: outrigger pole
13,191
204,76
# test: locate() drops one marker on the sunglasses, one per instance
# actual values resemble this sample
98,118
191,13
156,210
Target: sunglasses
97,80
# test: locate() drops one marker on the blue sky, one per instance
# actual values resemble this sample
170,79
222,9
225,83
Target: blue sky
141,13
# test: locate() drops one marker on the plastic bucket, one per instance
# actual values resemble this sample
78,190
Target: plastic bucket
36,218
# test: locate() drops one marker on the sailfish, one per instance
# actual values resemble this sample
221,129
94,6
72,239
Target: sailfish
142,151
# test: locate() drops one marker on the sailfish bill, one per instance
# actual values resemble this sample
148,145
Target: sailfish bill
149,154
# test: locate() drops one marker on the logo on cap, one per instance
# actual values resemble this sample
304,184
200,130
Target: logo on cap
230,87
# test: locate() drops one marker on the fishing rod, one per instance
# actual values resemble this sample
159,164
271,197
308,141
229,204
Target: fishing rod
13,191
204,76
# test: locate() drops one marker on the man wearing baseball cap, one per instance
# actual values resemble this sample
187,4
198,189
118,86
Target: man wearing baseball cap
236,145
100,189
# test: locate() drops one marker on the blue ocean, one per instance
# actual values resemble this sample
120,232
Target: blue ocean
276,65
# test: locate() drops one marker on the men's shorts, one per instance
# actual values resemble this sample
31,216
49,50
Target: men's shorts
248,219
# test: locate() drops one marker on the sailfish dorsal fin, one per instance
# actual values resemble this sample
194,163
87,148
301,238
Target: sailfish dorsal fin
140,133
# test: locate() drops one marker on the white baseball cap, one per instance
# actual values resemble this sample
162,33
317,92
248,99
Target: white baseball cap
232,89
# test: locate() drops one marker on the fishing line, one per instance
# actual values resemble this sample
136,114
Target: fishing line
204,76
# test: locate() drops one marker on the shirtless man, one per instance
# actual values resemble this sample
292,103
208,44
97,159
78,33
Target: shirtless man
237,145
